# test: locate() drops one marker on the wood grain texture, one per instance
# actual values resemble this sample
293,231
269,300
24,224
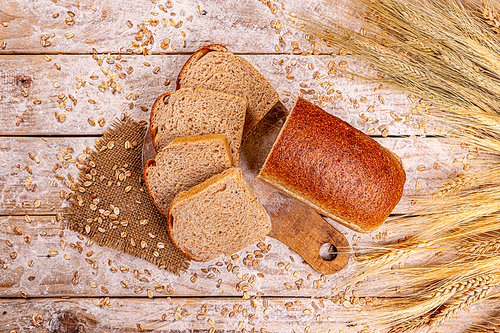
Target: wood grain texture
33,89
132,315
106,28
16,200
280,271
34,76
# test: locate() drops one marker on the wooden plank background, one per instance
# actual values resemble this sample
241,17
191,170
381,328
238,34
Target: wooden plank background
50,97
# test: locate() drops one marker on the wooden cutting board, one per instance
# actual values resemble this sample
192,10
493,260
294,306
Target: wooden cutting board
293,223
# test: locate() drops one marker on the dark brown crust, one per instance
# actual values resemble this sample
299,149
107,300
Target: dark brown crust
161,97
335,168
170,226
168,216
197,56
149,163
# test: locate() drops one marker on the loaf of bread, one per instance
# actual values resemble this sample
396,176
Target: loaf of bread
213,67
339,171
220,216
190,111
184,163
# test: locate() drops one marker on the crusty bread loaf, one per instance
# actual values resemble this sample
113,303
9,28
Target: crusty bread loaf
220,216
213,67
184,163
190,111
334,168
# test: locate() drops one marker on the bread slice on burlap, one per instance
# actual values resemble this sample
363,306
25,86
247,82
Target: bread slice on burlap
190,111
184,163
220,216
214,67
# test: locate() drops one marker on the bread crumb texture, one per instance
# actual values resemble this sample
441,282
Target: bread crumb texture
219,216
189,111
184,163
223,71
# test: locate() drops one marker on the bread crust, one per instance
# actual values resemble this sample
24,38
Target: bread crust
161,99
197,56
222,48
181,140
341,172
200,187
147,165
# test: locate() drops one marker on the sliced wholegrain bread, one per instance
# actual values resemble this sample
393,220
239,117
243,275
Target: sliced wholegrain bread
220,216
184,163
187,112
214,67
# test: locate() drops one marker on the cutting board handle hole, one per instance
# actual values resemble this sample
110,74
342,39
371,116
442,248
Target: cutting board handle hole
328,252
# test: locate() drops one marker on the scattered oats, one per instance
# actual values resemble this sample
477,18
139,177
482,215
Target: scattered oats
346,304
418,185
421,168
94,8
66,256
47,57
150,293
53,252
101,122
93,285
124,284
70,35
56,85
37,203
91,121
27,218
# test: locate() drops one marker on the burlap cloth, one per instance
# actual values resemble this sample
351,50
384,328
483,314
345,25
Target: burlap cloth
112,206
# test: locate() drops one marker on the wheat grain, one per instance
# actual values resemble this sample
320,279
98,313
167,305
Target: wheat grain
491,16
479,289
444,52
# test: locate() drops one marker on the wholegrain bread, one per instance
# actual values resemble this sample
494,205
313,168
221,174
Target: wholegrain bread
190,111
334,168
214,67
220,216
184,163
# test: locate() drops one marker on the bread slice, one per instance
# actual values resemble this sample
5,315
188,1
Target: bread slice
220,216
334,168
184,163
213,67
190,111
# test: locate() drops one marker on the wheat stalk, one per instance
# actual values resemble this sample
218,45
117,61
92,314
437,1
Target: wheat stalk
446,52
479,289
481,245
491,16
